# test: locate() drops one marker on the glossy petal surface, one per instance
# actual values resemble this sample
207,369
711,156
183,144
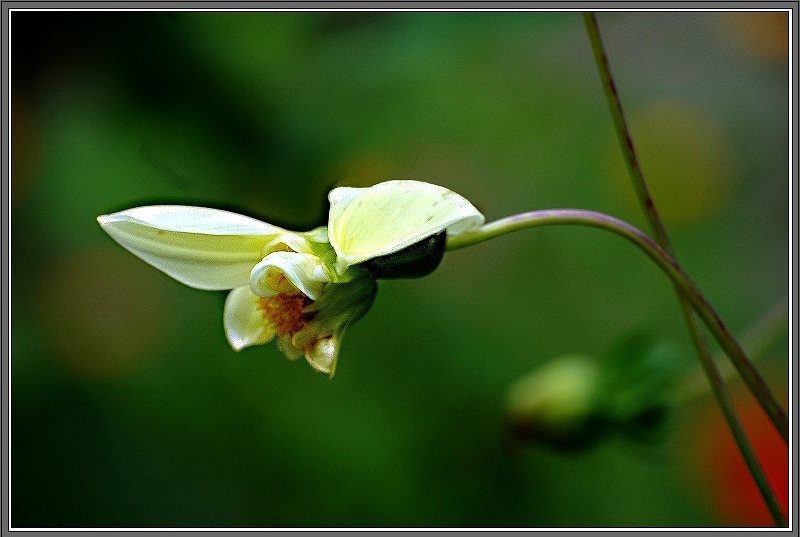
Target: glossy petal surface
202,248
269,277
244,322
365,223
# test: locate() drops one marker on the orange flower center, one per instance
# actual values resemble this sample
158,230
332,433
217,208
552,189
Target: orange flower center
285,312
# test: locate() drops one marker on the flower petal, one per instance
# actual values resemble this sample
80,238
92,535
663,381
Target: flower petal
324,355
370,222
318,234
244,322
300,242
339,306
269,277
200,247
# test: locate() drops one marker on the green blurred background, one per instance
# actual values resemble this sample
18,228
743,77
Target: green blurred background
129,409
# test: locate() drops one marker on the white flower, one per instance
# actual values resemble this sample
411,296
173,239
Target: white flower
283,283
305,288
303,326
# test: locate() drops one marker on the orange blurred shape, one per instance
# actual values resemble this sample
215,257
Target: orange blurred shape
733,493
102,311
762,35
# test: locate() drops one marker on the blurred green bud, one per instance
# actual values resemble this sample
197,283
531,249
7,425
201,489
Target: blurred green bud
556,404
575,400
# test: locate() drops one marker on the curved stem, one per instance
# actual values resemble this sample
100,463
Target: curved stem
686,287
682,281
648,206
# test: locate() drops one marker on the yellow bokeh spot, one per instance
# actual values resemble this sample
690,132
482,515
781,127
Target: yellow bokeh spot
685,159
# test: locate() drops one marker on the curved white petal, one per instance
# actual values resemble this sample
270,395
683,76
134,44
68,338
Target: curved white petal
320,344
271,276
339,306
244,322
200,247
324,355
198,220
370,222
294,242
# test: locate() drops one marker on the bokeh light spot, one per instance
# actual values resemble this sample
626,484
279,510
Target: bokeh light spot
764,36
685,159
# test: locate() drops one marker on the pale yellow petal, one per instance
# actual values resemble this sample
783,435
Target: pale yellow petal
269,276
244,323
324,355
365,223
200,247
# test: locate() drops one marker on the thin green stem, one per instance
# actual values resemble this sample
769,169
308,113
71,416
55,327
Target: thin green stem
637,176
756,341
623,134
735,425
745,368
681,281
580,217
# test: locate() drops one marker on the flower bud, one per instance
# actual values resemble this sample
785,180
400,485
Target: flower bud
556,404
573,401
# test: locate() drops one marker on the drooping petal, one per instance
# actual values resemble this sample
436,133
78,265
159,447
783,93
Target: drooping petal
244,322
365,223
272,274
339,306
324,355
203,248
